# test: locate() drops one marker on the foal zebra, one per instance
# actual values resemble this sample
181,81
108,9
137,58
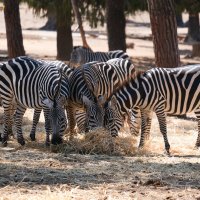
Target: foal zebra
104,78
159,90
81,55
35,85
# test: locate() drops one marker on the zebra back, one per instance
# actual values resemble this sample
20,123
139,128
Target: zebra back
66,69
81,55
104,78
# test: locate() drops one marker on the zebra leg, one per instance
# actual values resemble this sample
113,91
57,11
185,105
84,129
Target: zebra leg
146,116
18,123
12,113
8,122
197,112
134,121
163,128
71,120
36,118
47,126
80,119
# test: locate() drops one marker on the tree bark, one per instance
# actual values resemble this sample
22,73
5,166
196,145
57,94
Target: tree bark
51,22
79,20
164,32
196,50
193,36
13,29
64,33
116,24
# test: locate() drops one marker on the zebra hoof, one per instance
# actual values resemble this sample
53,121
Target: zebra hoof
21,141
0,137
47,143
56,140
32,136
168,153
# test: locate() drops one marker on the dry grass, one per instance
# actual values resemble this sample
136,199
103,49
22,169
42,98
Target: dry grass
96,166
100,141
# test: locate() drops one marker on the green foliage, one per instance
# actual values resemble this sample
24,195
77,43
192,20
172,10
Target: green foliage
192,6
91,10
131,6
41,5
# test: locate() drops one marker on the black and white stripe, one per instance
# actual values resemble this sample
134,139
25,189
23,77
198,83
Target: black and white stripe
103,78
81,55
67,71
81,100
160,90
33,84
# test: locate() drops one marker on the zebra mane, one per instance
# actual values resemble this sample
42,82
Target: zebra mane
139,73
82,47
126,82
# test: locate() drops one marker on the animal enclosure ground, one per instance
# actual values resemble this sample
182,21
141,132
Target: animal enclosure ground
34,172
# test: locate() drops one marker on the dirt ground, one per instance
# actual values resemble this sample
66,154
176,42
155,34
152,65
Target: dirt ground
35,172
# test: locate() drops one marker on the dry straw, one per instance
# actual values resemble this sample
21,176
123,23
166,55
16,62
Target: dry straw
99,141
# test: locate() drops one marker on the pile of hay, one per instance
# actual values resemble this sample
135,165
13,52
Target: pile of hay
100,142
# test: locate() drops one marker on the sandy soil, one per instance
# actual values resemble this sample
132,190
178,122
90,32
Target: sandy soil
34,172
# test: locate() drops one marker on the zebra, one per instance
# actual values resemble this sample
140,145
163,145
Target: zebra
36,85
81,99
159,90
80,117
67,71
81,55
103,78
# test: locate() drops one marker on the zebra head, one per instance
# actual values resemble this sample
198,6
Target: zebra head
92,75
56,106
94,114
78,55
113,120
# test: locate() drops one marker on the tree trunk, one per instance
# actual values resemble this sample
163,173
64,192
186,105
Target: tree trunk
164,32
116,24
64,33
79,20
193,36
51,22
196,50
13,29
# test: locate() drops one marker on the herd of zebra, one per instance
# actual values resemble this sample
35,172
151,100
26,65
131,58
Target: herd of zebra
103,90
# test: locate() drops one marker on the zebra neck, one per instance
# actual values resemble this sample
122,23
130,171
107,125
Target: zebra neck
127,97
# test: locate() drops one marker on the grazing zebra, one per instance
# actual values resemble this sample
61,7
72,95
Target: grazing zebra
104,78
159,90
33,84
37,111
82,99
81,55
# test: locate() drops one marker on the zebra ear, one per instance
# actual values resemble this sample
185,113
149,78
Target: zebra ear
86,101
113,102
101,99
47,102
62,100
